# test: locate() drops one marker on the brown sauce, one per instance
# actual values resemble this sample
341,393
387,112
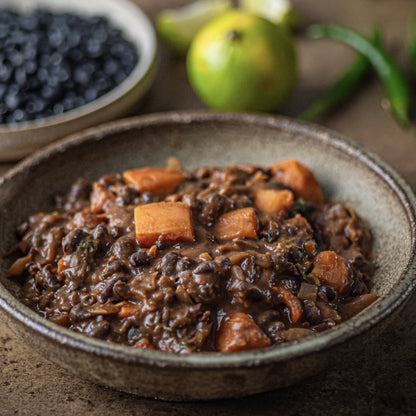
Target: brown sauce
212,260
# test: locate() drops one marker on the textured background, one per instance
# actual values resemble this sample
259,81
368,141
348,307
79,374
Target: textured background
378,380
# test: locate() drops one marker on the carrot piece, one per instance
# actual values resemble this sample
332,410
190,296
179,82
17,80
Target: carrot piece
292,302
165,221
273,201
237,224
300,179
239,332
19,266
159,181
330,270
99,198
62,265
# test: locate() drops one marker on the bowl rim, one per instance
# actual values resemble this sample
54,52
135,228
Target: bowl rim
215,360
147,43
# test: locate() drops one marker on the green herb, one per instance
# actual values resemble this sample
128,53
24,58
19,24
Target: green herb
314,279
301,271
87,244
394,82
68,274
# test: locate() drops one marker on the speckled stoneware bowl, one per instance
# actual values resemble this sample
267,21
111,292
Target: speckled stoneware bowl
19,140
345,170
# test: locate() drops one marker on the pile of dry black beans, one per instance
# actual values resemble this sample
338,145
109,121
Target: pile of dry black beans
52,63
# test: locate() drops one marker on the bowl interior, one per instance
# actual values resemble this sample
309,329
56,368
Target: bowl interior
345,171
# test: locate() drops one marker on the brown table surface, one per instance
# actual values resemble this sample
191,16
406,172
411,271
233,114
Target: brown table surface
381,380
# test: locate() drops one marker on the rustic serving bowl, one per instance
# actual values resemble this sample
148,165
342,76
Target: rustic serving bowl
345,170
21,139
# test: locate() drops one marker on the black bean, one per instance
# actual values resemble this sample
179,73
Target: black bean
115,266
324,325
139,258
79,313
184,263
79,190
327,293
98,329
162,245
311,311
206,267
108,288
72,240
168,263
357,288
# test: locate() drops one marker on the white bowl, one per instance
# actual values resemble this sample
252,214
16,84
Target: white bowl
19,140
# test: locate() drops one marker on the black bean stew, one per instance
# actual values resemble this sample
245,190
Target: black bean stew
212,260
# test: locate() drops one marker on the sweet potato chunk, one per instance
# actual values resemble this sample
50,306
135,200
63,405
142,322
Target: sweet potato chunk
237,224
159,181
165,221
330,270
239,332
273,201
299,178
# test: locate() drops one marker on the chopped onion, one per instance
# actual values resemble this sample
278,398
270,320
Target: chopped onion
349,309
308,292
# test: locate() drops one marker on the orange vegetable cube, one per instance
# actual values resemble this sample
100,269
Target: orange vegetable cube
273,201
237,224
300,179
239,332
158,181
165,221
330,270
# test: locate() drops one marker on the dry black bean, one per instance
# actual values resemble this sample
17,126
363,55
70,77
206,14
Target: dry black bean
52,63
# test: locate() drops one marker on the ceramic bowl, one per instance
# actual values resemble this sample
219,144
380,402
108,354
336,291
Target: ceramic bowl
346,171
19,140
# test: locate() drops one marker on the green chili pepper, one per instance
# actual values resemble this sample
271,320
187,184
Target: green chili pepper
344,87
412,42
395,83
